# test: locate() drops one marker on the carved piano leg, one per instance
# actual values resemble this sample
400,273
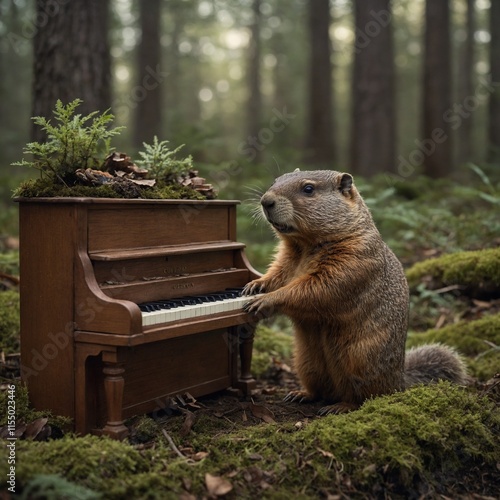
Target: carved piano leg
245,335
114,384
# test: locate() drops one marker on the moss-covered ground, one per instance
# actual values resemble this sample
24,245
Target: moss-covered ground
440,441
425,441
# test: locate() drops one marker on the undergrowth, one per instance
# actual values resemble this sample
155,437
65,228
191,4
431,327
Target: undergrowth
435,438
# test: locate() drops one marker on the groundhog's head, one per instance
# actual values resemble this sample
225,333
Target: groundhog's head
313,205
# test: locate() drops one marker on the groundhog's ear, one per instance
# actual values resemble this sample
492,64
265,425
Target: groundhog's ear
345,185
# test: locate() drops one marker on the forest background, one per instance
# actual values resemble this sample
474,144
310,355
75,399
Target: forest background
258,87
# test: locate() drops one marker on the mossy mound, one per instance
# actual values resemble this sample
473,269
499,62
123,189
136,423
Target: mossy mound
45,187
478,270
25,413
9,322
440,439
473,339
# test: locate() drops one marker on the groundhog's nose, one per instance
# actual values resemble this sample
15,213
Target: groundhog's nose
267,201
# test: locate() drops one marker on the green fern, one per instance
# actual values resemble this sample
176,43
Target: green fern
160,161
74,142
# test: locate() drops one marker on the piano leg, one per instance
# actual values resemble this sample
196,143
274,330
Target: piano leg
114,384
246,334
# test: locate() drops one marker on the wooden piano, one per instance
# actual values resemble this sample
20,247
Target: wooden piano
125,303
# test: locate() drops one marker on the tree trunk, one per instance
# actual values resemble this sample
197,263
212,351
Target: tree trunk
253,76
320,146
148,122
494,105
466,85
436,147
373,126
71,57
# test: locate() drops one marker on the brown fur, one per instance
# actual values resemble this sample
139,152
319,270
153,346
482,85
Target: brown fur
343,288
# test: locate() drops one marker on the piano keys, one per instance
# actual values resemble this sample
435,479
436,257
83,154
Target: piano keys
125,303
180,308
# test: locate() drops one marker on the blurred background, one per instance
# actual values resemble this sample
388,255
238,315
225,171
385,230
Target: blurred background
389,91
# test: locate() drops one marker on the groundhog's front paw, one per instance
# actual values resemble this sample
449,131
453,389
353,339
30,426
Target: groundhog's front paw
262,307
338,408
254,287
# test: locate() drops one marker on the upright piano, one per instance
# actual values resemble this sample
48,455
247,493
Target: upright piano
126,303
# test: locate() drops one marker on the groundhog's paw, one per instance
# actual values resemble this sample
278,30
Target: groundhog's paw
262,306
338,408
298,397
254,287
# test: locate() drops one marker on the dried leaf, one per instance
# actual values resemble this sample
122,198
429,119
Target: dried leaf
34,428
326,453
143,182
200,455
217,486
263,413
482,304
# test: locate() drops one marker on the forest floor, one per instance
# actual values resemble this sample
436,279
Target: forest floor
439,441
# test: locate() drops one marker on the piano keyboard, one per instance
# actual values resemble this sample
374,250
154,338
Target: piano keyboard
165,311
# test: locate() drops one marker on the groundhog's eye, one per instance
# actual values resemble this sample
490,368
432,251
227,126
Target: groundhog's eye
308,189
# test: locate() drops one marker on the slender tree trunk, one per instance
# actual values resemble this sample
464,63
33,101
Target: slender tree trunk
320,146
253,76
71,56
373,126
173,95
466,85
148,120
494,107
436,146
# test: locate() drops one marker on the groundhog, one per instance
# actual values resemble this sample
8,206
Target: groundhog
346,294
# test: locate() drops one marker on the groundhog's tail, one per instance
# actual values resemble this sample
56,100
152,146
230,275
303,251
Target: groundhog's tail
430,363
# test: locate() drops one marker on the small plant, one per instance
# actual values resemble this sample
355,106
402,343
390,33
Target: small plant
160,161
75,142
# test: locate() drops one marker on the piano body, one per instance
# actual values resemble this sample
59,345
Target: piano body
90,349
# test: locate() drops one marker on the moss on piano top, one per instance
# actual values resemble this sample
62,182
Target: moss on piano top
440,438
46,188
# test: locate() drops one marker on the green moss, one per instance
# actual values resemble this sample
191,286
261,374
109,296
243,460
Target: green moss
9,262
45,187
51,487
269,345
24,412
9,322
96,463
473,339
145,429
463,268
432,437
